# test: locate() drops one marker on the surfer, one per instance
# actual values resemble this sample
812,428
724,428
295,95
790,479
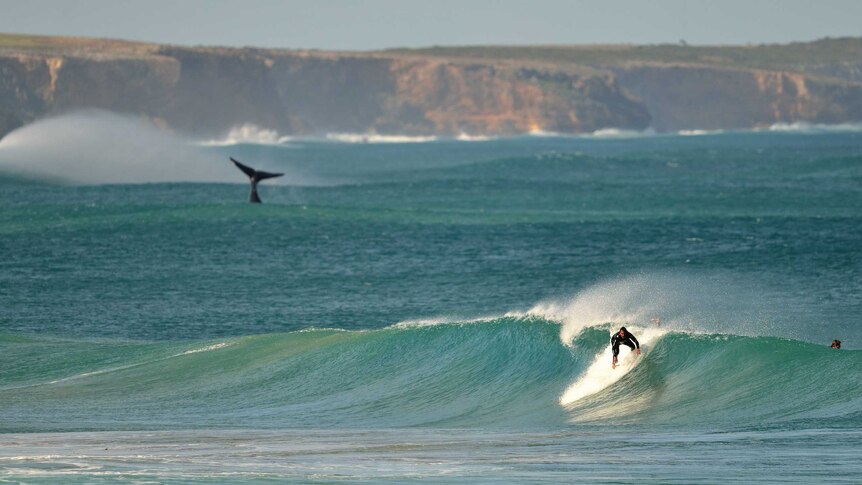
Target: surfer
836,344
626,338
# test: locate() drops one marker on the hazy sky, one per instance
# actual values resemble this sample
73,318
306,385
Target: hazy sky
374,24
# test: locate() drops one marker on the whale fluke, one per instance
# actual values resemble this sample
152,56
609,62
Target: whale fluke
254,176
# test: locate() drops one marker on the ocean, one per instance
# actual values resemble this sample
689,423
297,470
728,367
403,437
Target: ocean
430,309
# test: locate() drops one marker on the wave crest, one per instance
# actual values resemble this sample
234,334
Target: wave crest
251,134
506,372
814,128
375,138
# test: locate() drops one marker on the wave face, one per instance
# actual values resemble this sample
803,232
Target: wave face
504,372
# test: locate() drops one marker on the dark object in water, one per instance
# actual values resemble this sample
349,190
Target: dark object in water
836,344
254,176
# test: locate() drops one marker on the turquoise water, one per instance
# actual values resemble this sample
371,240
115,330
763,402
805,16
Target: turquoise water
439,311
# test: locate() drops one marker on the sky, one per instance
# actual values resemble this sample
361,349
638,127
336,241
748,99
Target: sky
378,24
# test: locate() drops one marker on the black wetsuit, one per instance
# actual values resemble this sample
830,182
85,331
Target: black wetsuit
629,340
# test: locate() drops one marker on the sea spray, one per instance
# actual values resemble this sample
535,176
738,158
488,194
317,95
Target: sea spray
249,133
688,301
99,147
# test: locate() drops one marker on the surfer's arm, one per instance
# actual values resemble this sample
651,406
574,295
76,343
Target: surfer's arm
637,344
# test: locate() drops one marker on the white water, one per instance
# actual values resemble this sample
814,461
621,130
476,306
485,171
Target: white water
249,133
690,302
601,374
803,127
619,133
375,138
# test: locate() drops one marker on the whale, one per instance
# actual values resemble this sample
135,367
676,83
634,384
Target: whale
254,176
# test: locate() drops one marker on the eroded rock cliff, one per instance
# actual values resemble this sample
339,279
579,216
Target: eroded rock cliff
483,91
206,91
703,97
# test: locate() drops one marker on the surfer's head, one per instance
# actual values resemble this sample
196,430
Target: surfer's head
836,344
623,331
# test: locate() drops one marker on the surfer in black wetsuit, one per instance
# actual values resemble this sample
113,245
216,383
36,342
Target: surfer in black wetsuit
626,338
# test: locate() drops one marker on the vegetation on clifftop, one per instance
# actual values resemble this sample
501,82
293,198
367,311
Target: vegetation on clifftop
797,56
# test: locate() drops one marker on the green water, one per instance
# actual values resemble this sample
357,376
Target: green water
416,303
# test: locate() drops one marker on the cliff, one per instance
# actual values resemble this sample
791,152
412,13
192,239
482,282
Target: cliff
484,90
703,97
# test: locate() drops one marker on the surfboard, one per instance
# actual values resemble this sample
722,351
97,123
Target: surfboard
627,358
600,375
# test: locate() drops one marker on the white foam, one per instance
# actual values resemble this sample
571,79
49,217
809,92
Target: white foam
540,133
249,133
443,320
88,374
618,133
129,366
699,132
601,374
805,127
600,133
375,138
687,302
467,137
217,346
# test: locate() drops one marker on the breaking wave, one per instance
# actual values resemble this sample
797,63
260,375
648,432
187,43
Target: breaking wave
549,366
509,372
249,134
375,138
805,127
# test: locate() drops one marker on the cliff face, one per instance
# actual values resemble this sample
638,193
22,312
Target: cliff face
32,86
441,97
688,97
207,91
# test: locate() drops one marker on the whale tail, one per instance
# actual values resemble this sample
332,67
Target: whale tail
254,176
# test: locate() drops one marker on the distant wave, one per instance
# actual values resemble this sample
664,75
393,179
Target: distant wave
540,133
699,132
249,134
805,127
468,137
600,133
254,135
375,138
619,133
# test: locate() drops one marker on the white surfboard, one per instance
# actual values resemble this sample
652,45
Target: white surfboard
600,374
